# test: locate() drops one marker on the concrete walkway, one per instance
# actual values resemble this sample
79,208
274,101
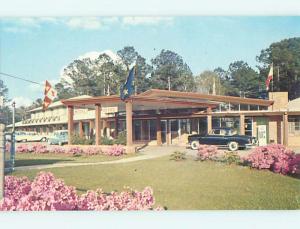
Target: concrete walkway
146,153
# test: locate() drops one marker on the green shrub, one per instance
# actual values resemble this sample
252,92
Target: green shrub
178,156
230,157
106,141
121,139
77,140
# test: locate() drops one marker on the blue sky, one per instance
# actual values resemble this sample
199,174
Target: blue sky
38,48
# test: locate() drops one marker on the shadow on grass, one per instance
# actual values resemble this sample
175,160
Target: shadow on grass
24,162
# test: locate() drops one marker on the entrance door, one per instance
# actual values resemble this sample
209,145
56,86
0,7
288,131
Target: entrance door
174,130
163,126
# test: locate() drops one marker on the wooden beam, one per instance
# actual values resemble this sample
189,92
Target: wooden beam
242,124
70,123
98,124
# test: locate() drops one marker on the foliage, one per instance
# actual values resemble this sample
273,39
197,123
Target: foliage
230,157
121,139
46,193
274,157
77,140
178,156
107,141
284,54
167,65
113,150
207,152
209,82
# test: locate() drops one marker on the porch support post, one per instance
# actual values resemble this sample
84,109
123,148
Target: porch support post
129,142
158,131
80,129
209,120
242,124
70,123
116,125
285,129
98,124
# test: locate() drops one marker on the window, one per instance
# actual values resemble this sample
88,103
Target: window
294,125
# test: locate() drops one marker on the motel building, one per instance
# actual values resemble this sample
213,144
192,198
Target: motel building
161,117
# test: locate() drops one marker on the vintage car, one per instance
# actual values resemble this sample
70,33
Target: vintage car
59,137
27,136
223,137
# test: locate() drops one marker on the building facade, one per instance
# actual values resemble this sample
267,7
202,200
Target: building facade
160,117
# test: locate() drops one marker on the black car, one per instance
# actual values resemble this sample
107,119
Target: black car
222,137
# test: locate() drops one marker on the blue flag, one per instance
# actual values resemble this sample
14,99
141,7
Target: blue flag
127,89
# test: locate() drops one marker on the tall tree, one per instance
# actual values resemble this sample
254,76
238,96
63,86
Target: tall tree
129,57
209,82
5,110
243,80
285,56
169,67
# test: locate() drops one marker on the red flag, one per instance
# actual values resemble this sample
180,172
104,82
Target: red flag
50,94
270,77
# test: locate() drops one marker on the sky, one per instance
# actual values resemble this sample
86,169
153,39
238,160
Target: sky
38,48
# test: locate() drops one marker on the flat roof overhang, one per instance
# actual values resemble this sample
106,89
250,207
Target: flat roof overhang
216,98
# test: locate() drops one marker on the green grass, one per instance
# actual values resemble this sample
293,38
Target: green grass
189,184
49,158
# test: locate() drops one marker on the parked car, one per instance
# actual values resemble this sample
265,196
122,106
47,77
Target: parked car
59,137
27,136
223,137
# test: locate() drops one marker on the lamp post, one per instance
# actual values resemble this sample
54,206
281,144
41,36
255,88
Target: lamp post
13,116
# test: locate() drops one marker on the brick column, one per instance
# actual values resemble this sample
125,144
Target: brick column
209,120
129,142
70,123
158,131
80,129
242,124
98,124
285,129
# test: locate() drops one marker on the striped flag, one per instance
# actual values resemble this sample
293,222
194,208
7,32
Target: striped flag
50,94
270,77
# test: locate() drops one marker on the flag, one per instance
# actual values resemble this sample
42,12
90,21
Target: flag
270,77
127,89
50,94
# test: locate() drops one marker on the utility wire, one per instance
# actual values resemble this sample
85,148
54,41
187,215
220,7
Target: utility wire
19,78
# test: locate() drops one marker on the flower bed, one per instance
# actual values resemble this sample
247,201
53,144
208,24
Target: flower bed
46,193
274,157
114,150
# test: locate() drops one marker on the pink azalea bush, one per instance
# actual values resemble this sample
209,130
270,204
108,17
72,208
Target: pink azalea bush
46,193
274,157
114,150
207,152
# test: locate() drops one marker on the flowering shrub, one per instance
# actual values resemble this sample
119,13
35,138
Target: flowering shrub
207,152
74,151
274,157
48,193
92,150
115,150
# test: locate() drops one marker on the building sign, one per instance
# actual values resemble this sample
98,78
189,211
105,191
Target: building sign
262,135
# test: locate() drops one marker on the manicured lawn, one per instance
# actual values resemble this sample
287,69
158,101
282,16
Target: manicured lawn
189,184
27,159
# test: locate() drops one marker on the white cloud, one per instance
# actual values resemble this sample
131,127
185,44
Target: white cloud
147,20
90,23
22,101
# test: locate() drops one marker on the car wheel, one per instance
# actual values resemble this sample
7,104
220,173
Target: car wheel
44,139
195,145
233,146
24,140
